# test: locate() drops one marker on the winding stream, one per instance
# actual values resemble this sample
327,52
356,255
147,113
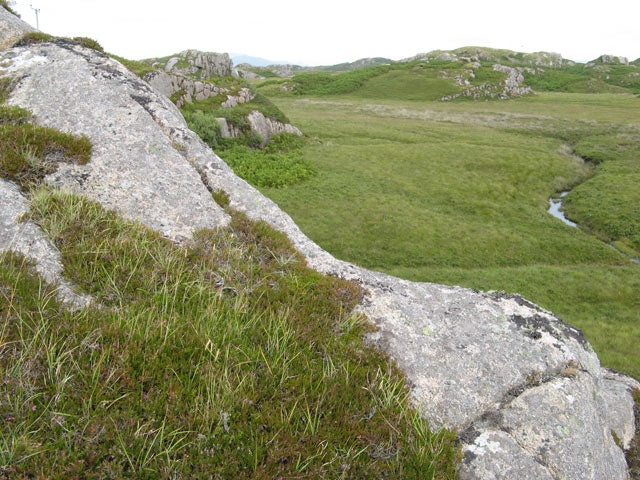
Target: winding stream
554,209
555,206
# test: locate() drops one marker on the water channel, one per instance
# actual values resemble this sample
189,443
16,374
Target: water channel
555,206
554,209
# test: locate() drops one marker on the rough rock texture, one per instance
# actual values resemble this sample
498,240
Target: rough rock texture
243,96
267,127
610,60
228,130
11,28
201,64
513,83
511,87
189,89
136,167
25,237
524,390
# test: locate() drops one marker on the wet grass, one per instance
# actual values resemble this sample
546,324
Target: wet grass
457,193
222,358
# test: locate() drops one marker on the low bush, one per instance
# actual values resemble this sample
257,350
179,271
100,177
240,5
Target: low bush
268,168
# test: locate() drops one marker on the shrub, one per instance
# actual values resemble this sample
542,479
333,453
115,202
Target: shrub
89,43
33,38
264,169
205,125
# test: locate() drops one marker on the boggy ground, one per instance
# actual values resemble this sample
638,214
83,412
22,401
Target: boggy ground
457,193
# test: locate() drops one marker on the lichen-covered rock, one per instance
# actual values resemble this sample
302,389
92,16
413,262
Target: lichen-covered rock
243,96
136,166
20,235
610,60
188,89
201,64
524,390
11,28
513,83
268,127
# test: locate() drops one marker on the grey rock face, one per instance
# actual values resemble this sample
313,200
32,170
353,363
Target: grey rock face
228,130
524,390
202,64
170,83
243,96
611,60
513,83
11,28
267,127
25,237
136,168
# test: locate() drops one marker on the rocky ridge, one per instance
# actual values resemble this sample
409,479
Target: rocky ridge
475,54
182,88
510,87
524,390
195,63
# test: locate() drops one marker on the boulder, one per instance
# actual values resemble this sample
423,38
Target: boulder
201,64
136,167
610,60
524,390
189,89
267,127
11,28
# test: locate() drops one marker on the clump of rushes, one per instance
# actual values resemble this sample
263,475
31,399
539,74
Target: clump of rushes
223,358
31,38
89,43
30,152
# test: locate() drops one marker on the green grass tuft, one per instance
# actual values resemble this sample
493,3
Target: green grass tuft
30,152
32,38
89,43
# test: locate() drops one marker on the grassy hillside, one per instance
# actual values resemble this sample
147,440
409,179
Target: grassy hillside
436,74
223,357
457,192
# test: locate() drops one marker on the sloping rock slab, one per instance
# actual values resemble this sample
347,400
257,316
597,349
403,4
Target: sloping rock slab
524,390
11,28
135,168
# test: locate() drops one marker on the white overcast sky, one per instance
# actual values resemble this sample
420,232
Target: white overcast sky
334,31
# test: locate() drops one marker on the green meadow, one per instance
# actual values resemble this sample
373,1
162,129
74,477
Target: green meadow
457,193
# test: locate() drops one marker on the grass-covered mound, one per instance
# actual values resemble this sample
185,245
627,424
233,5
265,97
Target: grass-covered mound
223,358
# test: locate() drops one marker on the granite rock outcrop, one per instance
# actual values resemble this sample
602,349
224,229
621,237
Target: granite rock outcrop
525,391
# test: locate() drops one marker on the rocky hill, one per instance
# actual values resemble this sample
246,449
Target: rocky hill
523,390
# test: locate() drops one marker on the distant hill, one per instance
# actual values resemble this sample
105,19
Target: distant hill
467,72
348,66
